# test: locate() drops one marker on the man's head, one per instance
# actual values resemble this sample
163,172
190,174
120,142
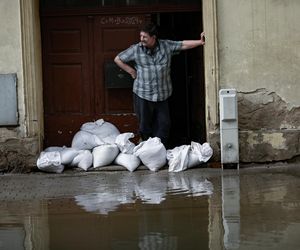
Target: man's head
148,35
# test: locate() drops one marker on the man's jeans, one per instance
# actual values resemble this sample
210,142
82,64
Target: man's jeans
154,118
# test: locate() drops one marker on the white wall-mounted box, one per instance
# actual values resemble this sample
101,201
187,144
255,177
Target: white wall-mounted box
229,127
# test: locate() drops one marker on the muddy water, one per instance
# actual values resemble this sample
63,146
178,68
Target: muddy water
195,209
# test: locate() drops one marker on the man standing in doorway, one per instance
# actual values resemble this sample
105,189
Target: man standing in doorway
152,81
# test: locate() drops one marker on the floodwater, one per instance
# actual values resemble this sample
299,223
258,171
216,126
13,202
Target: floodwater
257,208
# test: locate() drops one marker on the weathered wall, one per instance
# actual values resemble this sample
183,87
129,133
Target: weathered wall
11,56
259,55
17,149
259,46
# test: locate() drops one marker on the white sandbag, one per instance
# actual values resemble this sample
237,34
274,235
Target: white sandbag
86,161
188,156
129,161
50,162
68,154
83,160
178,158
152,153
124,144
105,131
203,151
104,155
92,127
194,154
54,148
206,151
85,140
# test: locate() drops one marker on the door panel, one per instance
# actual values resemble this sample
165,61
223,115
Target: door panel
75,50
67,78
113,34
65,41
118,101
117,39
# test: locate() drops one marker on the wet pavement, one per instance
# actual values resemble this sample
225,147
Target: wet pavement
201,208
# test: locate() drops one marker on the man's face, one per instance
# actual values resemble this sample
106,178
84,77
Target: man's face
147,40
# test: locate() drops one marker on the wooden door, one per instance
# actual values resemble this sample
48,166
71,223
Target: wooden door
114,101
76,50
68,95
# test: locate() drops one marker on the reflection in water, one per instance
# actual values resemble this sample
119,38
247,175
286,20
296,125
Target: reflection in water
157,241
231,210
150,189
192,186
198,209
147,211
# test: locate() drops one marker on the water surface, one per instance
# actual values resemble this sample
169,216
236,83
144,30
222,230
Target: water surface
195,209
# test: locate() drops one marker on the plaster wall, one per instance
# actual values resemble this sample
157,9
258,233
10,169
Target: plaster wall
259,46
259,55
11,59
20,54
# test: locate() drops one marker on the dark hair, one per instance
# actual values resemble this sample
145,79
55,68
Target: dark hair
151,29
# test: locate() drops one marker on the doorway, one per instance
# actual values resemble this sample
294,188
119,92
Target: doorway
187,103
76,50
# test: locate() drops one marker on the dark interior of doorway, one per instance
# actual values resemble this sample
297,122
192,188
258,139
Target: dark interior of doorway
187,104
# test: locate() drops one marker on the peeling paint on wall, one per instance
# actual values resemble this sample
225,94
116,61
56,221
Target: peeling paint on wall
264,146
262,109
252,140
276,140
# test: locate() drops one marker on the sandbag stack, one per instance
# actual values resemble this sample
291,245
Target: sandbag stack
100,143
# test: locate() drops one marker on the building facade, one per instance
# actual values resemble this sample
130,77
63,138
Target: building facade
251,45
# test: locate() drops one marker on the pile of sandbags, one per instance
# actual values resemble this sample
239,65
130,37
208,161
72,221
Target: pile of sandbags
94,144
98,144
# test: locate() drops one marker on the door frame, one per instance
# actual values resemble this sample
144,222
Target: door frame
32,72
211,66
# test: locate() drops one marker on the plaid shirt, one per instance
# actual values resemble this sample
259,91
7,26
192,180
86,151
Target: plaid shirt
153,81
